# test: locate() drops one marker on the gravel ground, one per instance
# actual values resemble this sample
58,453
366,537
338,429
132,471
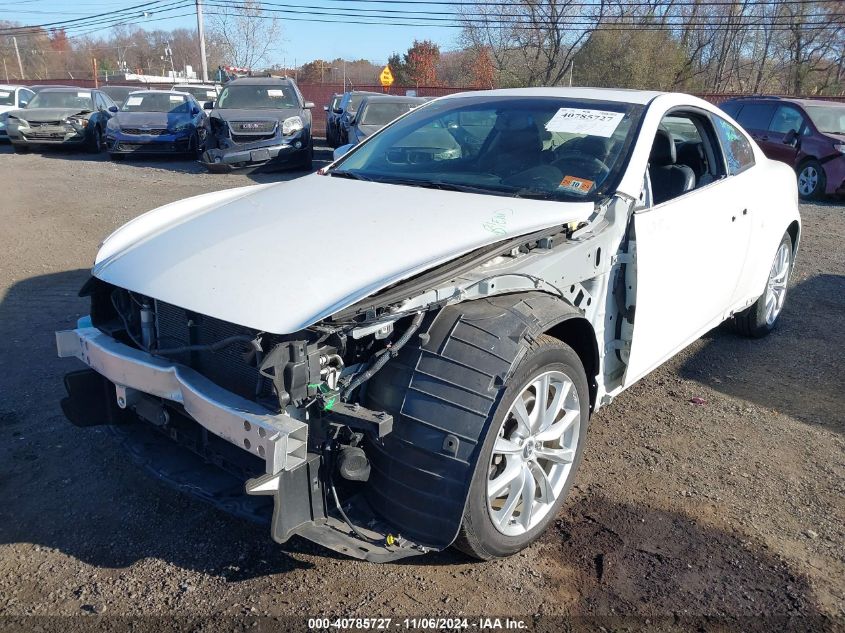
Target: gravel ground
731,510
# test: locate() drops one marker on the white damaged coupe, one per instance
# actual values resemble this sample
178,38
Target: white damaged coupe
402,351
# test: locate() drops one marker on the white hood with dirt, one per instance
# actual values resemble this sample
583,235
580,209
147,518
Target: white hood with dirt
280,257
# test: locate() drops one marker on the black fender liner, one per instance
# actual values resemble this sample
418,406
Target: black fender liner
442,390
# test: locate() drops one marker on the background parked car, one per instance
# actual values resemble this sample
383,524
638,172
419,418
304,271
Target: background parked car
39,87
347,108
12,98
157,122
808,134
259,122
62,116
332,114
118,94
377,111
201,92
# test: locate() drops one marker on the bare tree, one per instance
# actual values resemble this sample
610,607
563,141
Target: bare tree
244,34
532,42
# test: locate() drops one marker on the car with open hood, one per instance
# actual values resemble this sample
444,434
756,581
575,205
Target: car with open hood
376,111
259,123
402,351
157,122
12,98
75,117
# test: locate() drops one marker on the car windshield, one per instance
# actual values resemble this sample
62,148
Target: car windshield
537,147
354,102
257,97
203,93
70,99
156,102
830,119
7,97
384,113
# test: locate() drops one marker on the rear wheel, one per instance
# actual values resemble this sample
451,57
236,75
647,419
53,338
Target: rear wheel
529,457
811,180
760,319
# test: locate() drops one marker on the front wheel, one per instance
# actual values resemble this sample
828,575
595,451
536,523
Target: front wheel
760,319
529,457
20,149
96,141
811,180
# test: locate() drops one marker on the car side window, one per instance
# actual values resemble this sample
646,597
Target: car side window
786,119
25,96
756,116
99,101
737,148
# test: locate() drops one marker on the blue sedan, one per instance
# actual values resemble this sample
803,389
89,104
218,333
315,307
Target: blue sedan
157,122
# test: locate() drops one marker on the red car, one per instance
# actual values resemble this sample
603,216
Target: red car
808,134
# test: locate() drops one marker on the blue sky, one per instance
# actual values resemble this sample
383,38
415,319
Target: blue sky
301,41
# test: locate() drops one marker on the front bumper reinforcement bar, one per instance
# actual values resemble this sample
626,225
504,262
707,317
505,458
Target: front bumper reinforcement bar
277,438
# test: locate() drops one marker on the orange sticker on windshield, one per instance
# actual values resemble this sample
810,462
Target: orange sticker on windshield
573,183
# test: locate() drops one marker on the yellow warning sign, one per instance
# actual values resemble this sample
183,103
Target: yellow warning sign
386,77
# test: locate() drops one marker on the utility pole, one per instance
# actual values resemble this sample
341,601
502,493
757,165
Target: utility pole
18,53
5,70
201,35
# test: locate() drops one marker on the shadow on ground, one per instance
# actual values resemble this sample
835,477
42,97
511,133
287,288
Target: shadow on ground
808,345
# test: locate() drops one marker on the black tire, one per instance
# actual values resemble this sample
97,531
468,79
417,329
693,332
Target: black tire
752,321
811,180
95,142
116,157
308,162
478,537
20,149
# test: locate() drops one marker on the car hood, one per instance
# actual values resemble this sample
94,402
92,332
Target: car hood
256,115
152,119
38,115
282,256
5,109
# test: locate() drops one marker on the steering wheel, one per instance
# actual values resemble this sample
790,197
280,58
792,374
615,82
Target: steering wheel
573,160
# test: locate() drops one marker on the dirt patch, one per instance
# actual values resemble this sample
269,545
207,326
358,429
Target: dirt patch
731,510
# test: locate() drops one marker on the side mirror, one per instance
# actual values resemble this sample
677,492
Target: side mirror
343,149
208,105
337,111
790,138
195,110
308,105
23,103
325,108
114,109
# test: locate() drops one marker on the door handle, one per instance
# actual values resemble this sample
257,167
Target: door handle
764,138
745,212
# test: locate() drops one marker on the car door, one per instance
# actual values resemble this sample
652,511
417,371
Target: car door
755,119
688,255
784,134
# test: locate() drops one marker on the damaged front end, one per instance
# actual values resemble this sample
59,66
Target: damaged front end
256,143
273,410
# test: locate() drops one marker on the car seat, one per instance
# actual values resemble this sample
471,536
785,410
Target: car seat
668,178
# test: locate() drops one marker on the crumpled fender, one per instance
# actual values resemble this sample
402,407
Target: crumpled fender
442,390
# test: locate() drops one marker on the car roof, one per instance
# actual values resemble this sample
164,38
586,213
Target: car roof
12,87
621,95
70,89
393,99
164,92
775,99
261,81
127,87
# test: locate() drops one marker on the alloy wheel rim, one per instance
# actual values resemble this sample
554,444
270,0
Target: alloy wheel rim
808,180
533,453
776,287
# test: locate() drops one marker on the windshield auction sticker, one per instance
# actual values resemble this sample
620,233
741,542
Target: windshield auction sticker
578,185
580,121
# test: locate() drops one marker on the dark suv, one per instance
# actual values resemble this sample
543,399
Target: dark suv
259,122
808,134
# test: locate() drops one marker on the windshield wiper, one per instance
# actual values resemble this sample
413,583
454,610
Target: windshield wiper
342,173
